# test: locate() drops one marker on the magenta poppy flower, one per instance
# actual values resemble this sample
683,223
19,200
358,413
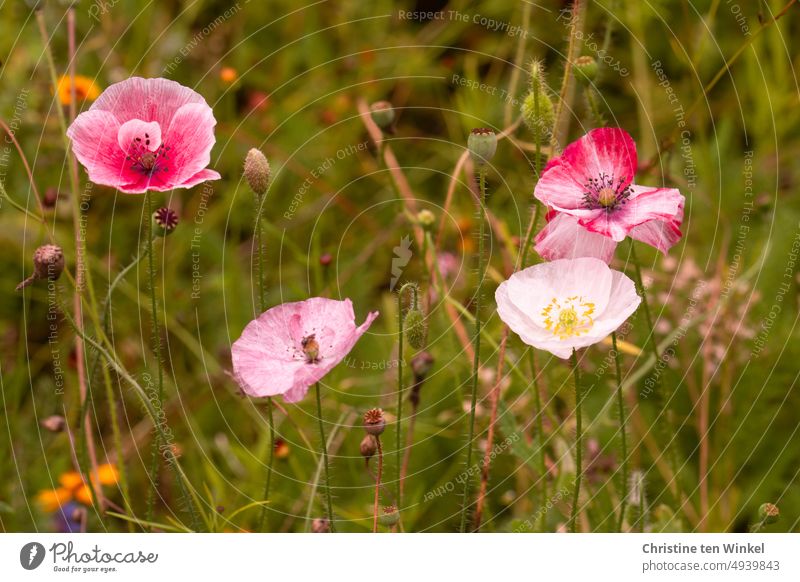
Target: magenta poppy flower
593,181
291,346
563,238
146,134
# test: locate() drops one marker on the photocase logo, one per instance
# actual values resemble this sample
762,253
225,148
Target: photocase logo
402,254
31,555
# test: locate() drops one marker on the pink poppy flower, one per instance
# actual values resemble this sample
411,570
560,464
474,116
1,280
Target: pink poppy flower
566,304
564,238
146,134
593,181
291,346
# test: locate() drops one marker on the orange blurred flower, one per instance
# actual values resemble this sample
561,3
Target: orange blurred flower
85,89
108,474
228,74
83,494
74,487
51,499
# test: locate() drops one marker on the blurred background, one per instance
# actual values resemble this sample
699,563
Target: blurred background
289,79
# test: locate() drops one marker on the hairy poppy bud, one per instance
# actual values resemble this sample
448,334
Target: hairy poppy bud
482,144
539,117
256,171
374,422
415,328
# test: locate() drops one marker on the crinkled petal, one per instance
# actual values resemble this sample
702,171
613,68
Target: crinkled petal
146,99
661,234
94,142
145,134
564,238
189,138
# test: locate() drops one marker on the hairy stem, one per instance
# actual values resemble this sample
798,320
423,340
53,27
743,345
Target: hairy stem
573,518
476,341
377,485
324,446
623,438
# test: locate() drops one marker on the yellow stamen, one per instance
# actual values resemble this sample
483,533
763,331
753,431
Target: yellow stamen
568,317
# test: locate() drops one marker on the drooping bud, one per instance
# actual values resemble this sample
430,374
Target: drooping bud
256,171
415,328
421,364
48,263
390,516
374,421
382,114
482,144
165,221
54,423
320,525
369,446
586,69
426,219
769,513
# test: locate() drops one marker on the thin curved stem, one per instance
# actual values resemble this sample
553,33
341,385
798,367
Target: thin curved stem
476,361
623,438
573,518
263,519
537,400
377,485
324,446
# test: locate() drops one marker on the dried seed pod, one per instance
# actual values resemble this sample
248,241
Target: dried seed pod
48,263
369,446
374,421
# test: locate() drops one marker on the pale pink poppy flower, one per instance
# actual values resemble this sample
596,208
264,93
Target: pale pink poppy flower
593,181
566,304
291,346
146,134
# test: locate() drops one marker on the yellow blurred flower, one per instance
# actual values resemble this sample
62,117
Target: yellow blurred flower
70,480
85,89
51,499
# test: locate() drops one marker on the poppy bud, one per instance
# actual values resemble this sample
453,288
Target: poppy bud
256,171
374,422
382,114
165,221
325,259
369,446
586,69
321,525
426,219
48,263
415,328
482,144
769,513
421,364
539,117
390,516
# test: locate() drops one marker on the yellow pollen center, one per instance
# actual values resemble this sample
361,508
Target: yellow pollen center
606,196
568,317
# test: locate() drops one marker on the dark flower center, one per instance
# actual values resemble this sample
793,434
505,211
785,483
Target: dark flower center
144,160
310,348
604,192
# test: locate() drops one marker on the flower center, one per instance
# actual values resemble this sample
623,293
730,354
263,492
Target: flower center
605,192
568,317
144,160
310,348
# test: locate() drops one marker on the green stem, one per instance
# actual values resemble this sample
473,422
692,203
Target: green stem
622,432
476,342
260,253
573,518
262,520
324,446
537,400
156,344
400,386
